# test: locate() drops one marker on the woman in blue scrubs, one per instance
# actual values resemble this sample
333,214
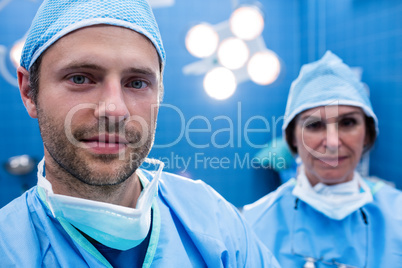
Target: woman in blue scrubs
329,216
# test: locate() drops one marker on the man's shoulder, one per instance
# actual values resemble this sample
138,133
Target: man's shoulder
188,189
196,202
173,185
212,222
15,209
175,179
17,232
16,217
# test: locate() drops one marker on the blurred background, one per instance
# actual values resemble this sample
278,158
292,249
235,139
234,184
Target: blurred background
229,67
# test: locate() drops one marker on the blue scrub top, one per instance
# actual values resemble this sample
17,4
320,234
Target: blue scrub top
193,226
294,231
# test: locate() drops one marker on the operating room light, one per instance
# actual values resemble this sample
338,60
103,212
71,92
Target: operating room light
247,22
233,53
16,51
202,40
220,83
264,67
20,165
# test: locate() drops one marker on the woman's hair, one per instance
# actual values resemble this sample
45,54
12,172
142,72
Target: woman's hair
370,132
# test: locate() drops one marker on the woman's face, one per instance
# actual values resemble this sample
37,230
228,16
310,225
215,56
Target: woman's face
330,142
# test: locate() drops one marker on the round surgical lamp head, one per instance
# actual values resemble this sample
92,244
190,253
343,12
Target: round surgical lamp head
220,83
202,40
20,165
233,53
247,22
264,67
16,51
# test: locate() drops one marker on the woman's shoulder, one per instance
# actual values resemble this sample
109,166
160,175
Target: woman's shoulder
382,189
385,197
282,194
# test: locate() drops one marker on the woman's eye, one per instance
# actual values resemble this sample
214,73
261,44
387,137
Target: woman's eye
317,125
79,79
348,122
138,84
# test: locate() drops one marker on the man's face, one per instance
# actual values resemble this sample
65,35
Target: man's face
97,103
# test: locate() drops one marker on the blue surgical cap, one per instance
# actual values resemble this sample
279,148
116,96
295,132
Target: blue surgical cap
56,18
327,81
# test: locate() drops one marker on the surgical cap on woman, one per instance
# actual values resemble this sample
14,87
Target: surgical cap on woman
56,18
325,82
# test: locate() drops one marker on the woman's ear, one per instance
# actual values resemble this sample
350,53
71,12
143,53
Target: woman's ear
366,141
294,141
23,82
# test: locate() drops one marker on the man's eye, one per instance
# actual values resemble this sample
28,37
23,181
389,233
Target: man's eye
79,79
138,84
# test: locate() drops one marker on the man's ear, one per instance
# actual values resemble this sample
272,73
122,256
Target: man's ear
23,82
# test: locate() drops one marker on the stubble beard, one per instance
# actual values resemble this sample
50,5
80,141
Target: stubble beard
72,161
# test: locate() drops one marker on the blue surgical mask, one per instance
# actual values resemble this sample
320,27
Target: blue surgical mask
336,201
112,225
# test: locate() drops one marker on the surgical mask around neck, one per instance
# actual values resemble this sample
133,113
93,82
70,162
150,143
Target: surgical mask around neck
341,189
335,201
112,225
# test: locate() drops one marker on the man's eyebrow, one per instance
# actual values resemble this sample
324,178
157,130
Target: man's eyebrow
139,70
142,70
75,66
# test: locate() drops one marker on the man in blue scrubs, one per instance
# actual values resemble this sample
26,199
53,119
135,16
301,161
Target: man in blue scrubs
91,73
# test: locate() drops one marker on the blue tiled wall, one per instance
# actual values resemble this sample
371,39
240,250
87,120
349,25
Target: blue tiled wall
19,133
238,185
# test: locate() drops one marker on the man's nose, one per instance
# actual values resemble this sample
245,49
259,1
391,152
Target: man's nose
112,103
332,140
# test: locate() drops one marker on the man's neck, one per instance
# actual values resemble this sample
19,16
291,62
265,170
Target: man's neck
123,194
